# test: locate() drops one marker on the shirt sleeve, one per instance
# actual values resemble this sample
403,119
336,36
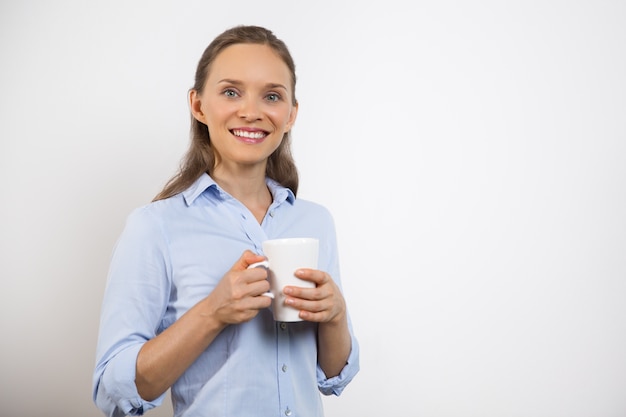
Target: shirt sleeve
134,303
330,253
116,393
337,384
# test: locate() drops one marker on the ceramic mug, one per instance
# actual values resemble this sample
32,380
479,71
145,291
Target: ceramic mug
284,257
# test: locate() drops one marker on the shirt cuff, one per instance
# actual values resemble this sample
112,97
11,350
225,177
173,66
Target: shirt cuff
118,384
337,384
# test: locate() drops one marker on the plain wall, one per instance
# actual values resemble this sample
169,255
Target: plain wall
473,155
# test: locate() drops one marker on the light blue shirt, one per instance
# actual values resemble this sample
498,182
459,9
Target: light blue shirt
171,255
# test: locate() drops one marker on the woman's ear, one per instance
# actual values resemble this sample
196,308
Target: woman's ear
292,117
195,105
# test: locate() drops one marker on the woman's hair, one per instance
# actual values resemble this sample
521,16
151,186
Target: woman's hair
200,157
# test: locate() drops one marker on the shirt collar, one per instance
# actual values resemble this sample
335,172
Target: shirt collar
280,193
204,182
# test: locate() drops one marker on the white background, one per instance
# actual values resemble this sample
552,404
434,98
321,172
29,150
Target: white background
473,155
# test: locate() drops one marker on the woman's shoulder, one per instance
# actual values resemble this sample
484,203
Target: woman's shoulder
312,207
305,202
158,209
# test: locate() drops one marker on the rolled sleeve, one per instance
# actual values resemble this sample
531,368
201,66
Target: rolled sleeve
337,384
134,301
116,390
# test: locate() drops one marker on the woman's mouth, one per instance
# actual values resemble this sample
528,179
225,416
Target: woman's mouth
247,135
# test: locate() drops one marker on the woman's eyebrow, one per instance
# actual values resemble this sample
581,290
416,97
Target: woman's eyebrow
229,81
276,85
238,83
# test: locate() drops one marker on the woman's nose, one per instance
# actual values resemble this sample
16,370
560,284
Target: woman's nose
250,109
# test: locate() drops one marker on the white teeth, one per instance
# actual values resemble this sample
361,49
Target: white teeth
250,135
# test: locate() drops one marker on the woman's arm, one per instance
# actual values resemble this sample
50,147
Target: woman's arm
334,346
163,359
324,304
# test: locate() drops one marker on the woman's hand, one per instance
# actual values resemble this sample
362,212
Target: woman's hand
236,298
323,304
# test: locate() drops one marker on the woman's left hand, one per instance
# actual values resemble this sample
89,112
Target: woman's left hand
322,304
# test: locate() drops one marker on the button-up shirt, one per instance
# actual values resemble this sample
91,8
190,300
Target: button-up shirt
171,255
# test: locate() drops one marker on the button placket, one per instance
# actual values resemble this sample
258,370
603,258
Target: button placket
250,227
285,382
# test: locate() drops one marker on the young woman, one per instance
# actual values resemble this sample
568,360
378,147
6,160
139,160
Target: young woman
181,310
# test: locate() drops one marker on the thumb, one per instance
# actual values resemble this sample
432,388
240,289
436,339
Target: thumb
247,259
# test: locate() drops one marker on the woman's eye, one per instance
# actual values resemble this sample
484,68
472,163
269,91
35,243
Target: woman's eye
230,93
273,97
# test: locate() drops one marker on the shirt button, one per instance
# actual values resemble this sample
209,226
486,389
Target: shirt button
284,368
283,325
272,213
287,412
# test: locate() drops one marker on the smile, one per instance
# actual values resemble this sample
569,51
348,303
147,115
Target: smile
256,134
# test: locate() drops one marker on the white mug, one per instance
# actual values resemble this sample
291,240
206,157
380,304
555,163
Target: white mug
284,257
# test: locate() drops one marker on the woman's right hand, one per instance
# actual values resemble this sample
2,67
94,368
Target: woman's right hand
237,297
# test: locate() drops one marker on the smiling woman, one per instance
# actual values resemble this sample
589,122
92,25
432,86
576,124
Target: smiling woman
248,96
201,156
182,309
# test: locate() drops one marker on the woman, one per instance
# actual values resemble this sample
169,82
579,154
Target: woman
181,310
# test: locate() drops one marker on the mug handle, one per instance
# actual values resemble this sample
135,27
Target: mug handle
266,265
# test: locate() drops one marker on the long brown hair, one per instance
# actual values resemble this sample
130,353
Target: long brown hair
200,157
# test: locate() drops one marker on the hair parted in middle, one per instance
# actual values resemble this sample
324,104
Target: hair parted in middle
200,157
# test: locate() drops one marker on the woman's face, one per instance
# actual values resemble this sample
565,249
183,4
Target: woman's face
246,104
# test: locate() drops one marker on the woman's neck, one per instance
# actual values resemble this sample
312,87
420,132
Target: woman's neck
247,187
